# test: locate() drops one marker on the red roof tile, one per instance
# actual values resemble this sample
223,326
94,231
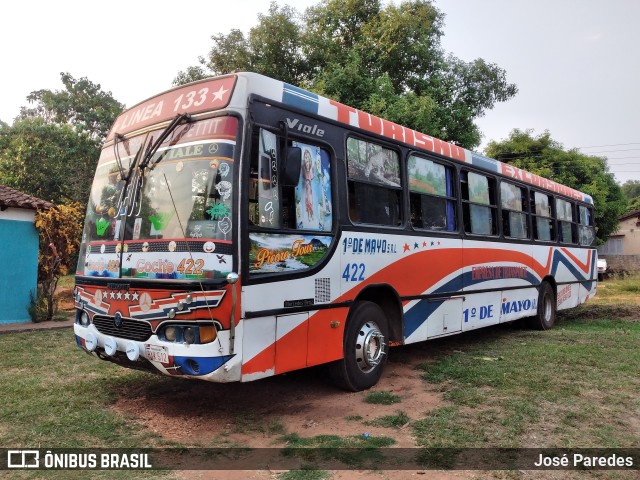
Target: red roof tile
10,197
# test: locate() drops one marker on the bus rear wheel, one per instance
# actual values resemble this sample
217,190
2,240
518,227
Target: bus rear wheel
365,348
545,318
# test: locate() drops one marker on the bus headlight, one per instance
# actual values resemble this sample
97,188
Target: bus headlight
171,333
84,319
189,335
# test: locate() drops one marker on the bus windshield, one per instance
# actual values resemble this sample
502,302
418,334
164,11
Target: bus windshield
172,218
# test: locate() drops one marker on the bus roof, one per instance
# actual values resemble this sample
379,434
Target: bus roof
220,92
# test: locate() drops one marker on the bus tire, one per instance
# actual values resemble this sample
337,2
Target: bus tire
366,343
545,318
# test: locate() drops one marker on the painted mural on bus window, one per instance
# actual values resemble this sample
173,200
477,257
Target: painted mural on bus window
427,177
272,253
313,192
372,163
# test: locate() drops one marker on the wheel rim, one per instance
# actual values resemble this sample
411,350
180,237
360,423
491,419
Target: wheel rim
548,309
370,347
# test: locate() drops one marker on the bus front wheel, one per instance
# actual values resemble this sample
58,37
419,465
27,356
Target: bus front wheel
545,318
366,339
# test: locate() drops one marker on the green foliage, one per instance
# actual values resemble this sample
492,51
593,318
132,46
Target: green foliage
631,191
82,105
546,157
387,60
48,161
60,228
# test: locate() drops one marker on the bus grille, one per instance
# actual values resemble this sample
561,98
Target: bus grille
130,329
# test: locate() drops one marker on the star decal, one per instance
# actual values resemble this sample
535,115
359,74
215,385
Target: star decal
406,248
219,94
112,295
119,295
135,295
415,246
424,244
127,296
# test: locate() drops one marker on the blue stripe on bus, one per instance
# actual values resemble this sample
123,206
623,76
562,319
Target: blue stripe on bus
300,98
417,315
420,312
200,365
485,162
579,275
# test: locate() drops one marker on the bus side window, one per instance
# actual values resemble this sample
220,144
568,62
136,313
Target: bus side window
375,191
566,221
431,195
586,232
264,191
273,205
478,204
543,225
513,200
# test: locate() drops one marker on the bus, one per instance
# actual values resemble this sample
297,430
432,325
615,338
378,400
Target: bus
240,227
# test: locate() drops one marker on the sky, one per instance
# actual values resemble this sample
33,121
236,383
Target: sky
575,62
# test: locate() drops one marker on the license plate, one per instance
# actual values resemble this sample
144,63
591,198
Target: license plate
157,353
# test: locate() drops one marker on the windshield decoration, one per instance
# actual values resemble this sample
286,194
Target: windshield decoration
171,218
159,222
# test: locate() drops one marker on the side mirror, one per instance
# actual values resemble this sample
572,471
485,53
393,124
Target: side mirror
290,173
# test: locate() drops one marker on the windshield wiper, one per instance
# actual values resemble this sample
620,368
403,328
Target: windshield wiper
163,136
116,153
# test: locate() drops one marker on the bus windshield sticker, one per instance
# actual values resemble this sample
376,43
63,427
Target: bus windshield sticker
101,226
270,253
313,192
159,222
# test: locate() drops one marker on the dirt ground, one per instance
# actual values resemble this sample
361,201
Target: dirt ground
256,414
305,402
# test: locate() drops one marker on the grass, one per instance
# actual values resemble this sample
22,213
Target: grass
305,474
47,404
399,420
356,451
621,289
573,386
382,398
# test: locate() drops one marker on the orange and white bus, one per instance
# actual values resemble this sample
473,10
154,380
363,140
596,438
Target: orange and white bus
240,227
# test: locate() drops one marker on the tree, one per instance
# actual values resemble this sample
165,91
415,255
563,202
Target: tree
631,190
48,161
385,60
52,148
60,229
546,157
82,105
